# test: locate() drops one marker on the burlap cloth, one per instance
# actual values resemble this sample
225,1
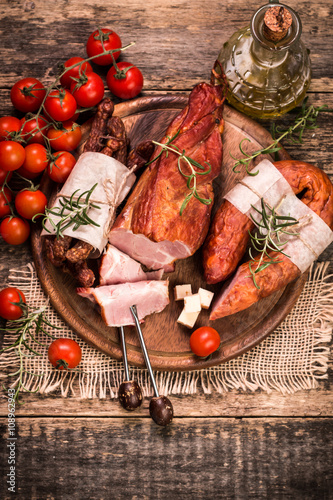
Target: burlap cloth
293,357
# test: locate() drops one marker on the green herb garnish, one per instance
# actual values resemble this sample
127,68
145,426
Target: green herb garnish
191,177
306,119
268,237
26,328
73,212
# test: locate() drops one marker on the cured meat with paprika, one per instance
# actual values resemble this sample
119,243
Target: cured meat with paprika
152,228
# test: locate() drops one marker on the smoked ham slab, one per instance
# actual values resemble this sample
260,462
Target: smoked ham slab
117,267
151,228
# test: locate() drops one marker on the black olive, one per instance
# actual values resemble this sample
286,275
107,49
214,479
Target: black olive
161,410
130,395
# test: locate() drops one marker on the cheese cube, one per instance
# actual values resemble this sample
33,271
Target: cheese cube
188,319
192,303
182,291
205,297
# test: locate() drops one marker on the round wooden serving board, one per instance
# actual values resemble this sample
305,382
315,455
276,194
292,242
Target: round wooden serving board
167,341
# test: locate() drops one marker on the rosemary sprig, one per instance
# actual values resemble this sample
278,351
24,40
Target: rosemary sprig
191,177
26,328
72,212
268,237
306,119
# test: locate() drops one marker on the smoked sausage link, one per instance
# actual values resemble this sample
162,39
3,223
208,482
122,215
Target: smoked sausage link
316,192
226,243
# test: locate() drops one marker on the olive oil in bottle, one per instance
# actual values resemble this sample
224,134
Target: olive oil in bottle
266,64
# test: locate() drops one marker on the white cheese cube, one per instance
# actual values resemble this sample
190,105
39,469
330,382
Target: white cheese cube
192,303
182,291
188,319
206,298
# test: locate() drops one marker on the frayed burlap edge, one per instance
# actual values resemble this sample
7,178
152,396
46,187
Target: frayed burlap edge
294,357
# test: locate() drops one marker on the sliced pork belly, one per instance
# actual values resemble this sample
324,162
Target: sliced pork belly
115,300
117,267
150,228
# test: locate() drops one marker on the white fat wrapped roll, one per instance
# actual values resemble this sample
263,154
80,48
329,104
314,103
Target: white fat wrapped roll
313,234
114,182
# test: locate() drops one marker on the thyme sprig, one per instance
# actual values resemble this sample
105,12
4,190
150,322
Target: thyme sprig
72,212
306,119
191,177
26,328
270,228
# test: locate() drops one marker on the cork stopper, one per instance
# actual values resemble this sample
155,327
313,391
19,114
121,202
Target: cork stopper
277,21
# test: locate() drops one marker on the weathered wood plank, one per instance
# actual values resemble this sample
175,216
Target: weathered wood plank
104,458
231,404
176,42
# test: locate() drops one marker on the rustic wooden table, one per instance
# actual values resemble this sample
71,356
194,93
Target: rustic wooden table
236,445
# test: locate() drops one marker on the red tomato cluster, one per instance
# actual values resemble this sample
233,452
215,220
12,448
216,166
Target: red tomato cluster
44,139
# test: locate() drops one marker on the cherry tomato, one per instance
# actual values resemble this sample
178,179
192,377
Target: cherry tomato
30,202
64,353
65,140
60,105
204,341
127,82
91,92
26,174
5,175
8,124
34,130
27,94
76,72
12,155
110,41
36,159
14,230
8,310
60,168
5,199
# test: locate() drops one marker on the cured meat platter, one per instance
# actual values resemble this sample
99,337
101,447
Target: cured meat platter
168,341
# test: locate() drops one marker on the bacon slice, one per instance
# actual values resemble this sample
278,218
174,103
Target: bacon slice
115,300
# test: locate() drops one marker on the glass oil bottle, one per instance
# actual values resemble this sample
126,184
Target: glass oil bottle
266,64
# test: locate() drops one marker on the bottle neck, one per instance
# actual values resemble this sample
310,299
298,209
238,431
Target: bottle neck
267,56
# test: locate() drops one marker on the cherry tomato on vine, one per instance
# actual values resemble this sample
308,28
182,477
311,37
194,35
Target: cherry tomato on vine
5,199
26,174
126,82
67,78
60,168
33,129
89,91
14,230
110,41
60,105
8,309
30,202
36,158
67,139
5,175
8,124
204,341
12,155
27,94
64,353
